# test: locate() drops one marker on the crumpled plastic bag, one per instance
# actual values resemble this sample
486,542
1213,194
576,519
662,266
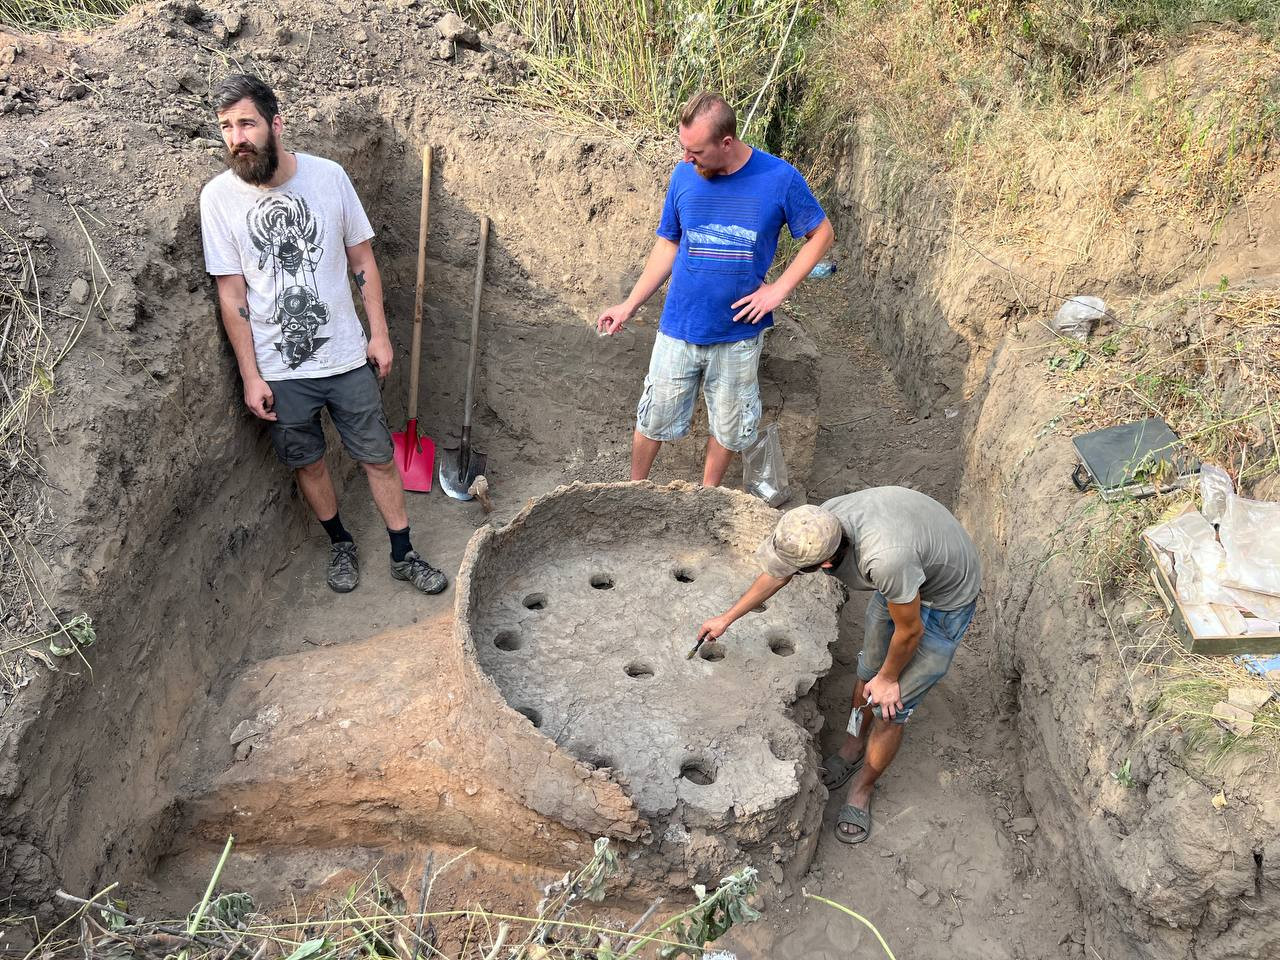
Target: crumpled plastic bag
1199,561
1077,317
1215,488
1248,529
764,471
1250,534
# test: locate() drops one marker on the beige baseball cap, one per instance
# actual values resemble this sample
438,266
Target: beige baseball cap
805,536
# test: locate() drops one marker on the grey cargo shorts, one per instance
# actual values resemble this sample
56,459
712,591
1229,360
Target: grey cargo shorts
354,401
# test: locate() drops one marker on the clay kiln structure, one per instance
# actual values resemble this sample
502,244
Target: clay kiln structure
578,616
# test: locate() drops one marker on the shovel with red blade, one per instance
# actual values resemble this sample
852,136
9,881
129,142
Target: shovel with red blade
415,455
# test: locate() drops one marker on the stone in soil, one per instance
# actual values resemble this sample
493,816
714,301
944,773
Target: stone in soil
456,30
1235,719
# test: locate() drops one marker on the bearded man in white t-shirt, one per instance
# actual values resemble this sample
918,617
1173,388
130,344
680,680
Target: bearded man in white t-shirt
281,231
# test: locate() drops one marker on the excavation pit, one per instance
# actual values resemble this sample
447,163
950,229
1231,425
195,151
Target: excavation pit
606,585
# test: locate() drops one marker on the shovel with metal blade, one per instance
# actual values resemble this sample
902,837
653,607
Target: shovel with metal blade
416,456
461,465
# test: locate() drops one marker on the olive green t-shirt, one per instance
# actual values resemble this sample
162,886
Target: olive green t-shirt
903,542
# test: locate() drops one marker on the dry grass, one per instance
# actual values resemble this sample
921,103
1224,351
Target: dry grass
1189,687
627,66
1181,141
371,920
61,14
1043,130
1210,366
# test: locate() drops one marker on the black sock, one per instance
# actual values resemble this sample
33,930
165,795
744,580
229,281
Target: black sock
336,531
400,544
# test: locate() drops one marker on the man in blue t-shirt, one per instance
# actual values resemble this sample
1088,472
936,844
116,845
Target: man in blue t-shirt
720,224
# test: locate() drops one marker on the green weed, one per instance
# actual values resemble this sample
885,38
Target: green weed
1124,776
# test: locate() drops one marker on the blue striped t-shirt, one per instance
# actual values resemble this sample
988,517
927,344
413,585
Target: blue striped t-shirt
727,228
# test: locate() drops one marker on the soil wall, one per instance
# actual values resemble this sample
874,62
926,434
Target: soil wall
172,511
1161,871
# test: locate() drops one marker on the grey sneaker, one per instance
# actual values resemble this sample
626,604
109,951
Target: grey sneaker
420,573
344,567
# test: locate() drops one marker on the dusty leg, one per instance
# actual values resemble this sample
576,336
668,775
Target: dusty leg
388,493
317,488
853,747
882,746
718,458
643,452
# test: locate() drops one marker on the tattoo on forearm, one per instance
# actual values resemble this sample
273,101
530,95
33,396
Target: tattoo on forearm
244,312
360,280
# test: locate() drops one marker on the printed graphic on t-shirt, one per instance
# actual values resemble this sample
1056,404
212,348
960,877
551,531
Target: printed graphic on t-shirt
725,235
288,237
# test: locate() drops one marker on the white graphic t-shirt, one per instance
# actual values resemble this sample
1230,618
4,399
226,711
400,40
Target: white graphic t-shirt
289,242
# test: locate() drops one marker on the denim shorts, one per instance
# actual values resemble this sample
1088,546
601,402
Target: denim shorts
728,374
943,631
354,401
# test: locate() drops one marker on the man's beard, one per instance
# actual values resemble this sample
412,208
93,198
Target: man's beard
252,165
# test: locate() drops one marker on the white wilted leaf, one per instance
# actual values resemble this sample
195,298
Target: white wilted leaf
43,657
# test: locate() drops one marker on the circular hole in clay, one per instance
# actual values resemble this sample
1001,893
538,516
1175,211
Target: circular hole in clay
779,751
598,760
508,640
602,581
535,601
638,671
782,646
684,574
712,651
530,714
698,772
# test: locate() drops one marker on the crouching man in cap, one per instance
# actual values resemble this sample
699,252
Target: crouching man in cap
926,575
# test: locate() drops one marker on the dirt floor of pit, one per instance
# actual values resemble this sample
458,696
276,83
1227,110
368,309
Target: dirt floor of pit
943,874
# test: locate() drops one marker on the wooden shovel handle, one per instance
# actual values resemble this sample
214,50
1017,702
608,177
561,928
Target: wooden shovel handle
475,334
420,288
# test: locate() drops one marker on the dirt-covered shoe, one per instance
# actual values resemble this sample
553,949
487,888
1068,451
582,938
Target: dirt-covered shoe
344,567
420,573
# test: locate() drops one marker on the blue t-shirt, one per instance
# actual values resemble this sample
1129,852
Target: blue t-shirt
727,228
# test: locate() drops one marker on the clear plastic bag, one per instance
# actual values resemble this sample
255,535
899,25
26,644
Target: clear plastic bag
1199,562
1216,489
1076,317
1250,533
764,471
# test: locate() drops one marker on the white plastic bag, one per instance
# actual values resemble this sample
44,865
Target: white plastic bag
1076,317
764,471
